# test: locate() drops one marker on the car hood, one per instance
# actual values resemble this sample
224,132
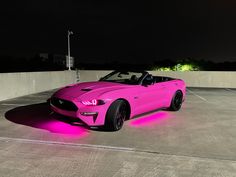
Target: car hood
88,90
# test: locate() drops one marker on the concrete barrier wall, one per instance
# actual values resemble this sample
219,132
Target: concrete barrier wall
192,78
92,75
18,84
204,78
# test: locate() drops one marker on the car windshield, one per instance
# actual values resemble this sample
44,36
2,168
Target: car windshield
132,78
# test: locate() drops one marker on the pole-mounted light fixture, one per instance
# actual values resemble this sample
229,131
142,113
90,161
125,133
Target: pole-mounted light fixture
68,37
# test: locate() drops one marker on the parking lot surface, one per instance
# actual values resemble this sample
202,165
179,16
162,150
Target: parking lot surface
199,140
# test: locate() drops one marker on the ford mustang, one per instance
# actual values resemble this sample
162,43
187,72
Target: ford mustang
118,96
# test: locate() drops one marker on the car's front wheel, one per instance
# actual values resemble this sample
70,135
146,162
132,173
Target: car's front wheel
116,115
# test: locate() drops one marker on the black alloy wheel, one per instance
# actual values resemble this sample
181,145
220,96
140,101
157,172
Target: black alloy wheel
116,115
120,116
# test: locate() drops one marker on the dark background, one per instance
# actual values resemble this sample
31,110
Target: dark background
118,32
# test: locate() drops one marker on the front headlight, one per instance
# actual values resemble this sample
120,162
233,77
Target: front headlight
93,102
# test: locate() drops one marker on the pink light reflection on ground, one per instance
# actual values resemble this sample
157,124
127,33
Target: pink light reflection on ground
65,129
149,120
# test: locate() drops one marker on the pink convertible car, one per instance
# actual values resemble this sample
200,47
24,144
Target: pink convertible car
118,96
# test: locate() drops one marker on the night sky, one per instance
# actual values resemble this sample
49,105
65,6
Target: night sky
124,30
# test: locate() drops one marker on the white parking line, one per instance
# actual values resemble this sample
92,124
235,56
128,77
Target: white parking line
197,95
105,147
230,90
12,104
7,139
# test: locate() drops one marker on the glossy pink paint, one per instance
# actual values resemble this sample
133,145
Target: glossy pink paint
140,98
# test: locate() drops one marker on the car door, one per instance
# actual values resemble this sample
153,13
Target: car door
149,97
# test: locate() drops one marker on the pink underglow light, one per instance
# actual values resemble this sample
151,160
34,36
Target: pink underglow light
65,129
149,120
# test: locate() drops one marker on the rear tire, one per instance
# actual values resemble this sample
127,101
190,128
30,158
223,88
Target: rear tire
176,101
116,115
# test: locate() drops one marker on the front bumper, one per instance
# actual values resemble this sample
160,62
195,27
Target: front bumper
90,115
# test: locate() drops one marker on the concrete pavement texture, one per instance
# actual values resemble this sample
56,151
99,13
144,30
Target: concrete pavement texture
199,140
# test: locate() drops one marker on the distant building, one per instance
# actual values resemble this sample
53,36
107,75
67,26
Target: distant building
58,59
44,56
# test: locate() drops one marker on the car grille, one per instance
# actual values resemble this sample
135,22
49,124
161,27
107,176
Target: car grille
63,104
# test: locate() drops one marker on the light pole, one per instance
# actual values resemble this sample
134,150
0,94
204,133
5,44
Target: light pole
68,37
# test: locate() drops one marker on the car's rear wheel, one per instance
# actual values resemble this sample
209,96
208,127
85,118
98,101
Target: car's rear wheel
116,115
176,101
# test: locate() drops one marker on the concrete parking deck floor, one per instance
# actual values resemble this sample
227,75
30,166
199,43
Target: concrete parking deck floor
199,140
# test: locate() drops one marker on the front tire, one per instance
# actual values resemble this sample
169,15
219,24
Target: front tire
176,101
116,115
